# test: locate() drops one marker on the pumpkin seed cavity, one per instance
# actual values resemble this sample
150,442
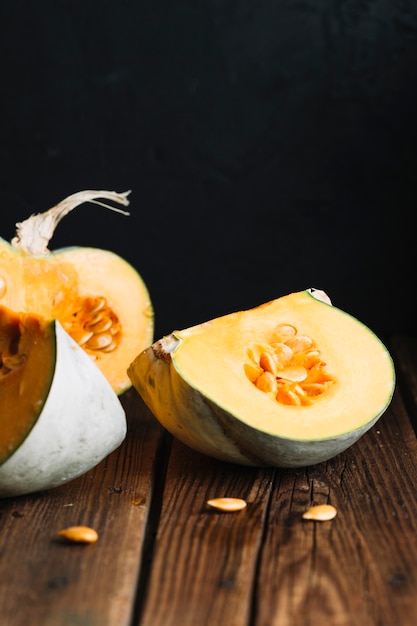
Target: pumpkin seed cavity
13,352
93,325
289,368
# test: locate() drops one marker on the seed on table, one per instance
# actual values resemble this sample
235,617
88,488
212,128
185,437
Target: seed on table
227,504
79,534
320,512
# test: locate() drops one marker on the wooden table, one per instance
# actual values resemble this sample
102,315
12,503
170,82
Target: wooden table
163,558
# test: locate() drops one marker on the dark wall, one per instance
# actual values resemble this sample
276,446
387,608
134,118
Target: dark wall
270,146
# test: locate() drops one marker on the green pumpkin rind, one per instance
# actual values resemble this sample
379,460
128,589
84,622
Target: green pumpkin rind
79,423
239,424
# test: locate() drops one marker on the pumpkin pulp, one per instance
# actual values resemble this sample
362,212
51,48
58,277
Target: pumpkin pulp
97,296
358,367
339,384
99,299
27,363
289,368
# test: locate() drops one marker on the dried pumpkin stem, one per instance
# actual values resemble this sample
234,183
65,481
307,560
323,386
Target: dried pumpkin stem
34,233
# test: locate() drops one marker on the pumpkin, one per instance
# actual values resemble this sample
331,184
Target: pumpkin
290,383
97,296
59,415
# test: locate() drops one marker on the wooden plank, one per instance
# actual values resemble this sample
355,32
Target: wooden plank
359,568
266,566
404,349
45,582
263,566
204,562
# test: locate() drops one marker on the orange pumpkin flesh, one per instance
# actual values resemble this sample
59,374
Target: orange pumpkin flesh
290,383
59,416
99,298
27,351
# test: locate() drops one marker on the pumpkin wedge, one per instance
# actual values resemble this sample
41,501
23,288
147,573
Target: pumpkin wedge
59,416
290,383
97,296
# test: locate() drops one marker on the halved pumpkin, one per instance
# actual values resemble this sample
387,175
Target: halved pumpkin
59,416
290,383
97,296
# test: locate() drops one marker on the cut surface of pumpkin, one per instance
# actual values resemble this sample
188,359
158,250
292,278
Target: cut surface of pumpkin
292,382
27,362
98,297
59,415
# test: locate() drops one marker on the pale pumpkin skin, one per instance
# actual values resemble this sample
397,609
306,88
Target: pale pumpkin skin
194,383
79,424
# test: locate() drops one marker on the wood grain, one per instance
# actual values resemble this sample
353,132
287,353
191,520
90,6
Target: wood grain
356,569
164,558
204,563
43,580
360,567
404,349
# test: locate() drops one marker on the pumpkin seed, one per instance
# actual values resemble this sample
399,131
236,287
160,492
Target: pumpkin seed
92,324
99,342
290,368
95,319
314,389
79,534
80,335
286,330
320,512
299,343
100,326
227,504
98,305
316,374
286,395
267,382
309,359
112,346
283,352
252,371
255,351
268,363
294,373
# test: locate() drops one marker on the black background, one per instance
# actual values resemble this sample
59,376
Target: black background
270,146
